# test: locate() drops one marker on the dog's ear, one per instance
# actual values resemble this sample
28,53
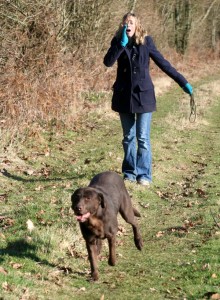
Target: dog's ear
74,195
102,200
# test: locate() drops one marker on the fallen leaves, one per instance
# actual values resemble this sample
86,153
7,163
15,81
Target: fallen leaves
144,205
164,195
6,161
3,271
206,266
6,222
30,225
201,193
44,171
215,296
65,270
182,190
2,236
39,188
160,234
178,229
212,296
16,265
7,287
3,197
121,230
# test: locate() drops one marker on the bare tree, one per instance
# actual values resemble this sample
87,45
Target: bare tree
182,24
176,15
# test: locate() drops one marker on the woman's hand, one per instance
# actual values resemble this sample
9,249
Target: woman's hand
124,37
188,89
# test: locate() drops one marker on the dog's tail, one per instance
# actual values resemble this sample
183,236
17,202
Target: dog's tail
136,213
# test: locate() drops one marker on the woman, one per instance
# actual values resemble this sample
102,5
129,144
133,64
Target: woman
134,96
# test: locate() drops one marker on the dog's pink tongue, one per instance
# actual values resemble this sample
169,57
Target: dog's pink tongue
83,218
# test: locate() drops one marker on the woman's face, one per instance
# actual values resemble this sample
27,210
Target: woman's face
131,23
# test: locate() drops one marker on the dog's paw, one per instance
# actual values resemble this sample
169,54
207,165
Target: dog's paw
111,262
139,243
94,276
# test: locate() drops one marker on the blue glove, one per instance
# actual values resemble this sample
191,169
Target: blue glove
188,89
124,37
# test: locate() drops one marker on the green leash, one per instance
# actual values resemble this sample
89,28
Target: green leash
192,116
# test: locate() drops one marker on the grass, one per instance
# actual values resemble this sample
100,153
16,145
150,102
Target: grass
180,213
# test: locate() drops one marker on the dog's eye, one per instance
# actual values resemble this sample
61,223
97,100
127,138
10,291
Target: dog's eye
86,200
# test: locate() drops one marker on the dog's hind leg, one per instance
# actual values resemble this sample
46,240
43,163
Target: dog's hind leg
128,214
137,236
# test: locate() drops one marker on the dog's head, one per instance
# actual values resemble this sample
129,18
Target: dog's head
86,202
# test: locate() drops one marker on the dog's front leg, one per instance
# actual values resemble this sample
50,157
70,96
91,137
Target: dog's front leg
92,255
112,254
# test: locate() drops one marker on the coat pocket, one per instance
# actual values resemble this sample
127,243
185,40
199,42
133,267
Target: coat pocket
144,86
145,94
117,87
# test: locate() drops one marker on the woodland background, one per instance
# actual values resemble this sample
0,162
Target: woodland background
51,52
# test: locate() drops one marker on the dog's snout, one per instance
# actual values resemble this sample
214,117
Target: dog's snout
78,208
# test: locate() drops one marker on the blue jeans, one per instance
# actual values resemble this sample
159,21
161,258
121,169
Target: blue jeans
137,163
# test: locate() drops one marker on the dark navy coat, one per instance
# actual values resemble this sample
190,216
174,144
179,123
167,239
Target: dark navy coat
133,90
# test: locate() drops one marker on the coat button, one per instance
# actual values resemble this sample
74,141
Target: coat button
125,70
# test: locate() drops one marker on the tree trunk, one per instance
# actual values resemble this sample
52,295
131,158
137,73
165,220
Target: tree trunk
182,24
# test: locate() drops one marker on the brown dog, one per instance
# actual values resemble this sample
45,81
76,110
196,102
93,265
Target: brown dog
96,208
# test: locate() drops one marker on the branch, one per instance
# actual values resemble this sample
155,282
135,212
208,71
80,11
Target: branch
14,19
202,19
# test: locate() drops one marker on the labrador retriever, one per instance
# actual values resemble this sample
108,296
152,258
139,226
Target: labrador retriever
96,208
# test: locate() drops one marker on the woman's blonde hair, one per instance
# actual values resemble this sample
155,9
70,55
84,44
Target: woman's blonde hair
140,32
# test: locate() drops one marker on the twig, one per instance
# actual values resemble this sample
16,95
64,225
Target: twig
202,19
133,5
214,219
